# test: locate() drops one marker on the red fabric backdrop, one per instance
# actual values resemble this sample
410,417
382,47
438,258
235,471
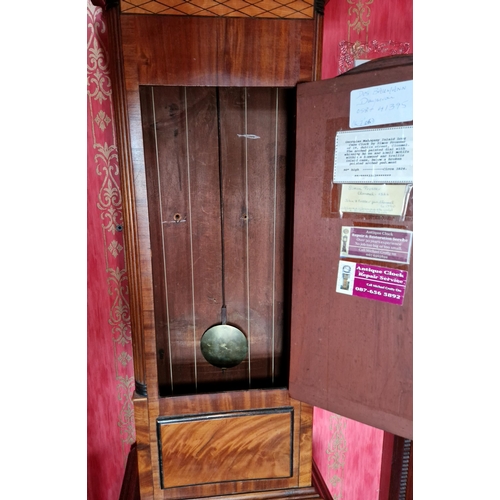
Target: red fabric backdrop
110,381
384,27
348,455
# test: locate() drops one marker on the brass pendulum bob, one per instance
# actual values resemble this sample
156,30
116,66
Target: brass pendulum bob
224,345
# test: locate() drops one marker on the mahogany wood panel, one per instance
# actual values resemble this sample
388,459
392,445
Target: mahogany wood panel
185,168
319,483
163,50
386,465
141,418
226,401
289,494
254,173
181,148
226,447
121,121
234,401
318,47
130,51
349,355
130,489
305,444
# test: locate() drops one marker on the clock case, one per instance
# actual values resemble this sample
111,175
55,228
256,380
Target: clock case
216,158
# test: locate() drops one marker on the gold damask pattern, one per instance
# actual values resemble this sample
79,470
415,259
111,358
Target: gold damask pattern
357,45
359,18
109,206
349,52
337,451
278,9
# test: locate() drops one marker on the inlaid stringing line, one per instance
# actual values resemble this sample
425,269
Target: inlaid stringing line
274,229
247,244
191,238
163,244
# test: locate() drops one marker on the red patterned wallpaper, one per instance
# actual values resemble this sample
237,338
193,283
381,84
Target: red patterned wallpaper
348,455
110,380
364,29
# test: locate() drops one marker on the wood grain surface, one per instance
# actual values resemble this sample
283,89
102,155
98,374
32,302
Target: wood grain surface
162,50
239,402
226,447
217,170
203,53
349,355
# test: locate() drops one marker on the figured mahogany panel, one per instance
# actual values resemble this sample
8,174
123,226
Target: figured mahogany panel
234,446
258,402
165,50
141,420
349,355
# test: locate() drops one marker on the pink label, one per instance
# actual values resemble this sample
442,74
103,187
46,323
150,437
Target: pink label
372,282
390,245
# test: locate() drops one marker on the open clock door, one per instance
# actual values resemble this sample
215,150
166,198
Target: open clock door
351,353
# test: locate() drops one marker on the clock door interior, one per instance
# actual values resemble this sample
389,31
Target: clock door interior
219,177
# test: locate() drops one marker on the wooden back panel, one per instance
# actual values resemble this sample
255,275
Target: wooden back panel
201,142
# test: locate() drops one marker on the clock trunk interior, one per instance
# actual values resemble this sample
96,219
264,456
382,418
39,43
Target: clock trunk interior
219,174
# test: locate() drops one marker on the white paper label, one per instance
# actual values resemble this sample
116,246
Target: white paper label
381,105
374,155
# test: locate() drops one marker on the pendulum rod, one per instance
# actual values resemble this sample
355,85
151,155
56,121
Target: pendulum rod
221,201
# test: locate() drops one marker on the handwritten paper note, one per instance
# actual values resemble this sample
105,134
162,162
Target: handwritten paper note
381,199
374,155
382,104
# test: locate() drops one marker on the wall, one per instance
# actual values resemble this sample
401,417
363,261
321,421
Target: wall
110,382
364,29
349,456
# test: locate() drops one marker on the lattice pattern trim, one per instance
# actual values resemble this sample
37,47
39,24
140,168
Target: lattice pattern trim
277,9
